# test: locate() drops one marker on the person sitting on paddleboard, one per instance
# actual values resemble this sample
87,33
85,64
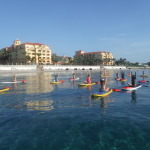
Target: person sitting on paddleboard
103,85
14,78
56,78
88,79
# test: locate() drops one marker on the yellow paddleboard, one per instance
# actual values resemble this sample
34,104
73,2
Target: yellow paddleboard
123,80
86,84
5,89
101,94
55,82
145,76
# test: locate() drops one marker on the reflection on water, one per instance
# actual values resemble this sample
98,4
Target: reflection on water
85,87
133,96
42,105
40,83
103,101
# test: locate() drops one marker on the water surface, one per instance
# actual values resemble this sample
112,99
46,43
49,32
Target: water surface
39,116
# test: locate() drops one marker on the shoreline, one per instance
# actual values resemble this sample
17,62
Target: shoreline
13,68
51,68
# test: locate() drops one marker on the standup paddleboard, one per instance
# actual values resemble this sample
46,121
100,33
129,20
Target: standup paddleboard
123,80
101,94
144,76
4,89
60,81
86,84
21,81
130,88
55,82
71,79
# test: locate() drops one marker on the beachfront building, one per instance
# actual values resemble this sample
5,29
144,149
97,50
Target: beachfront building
61,60
25,53
93,58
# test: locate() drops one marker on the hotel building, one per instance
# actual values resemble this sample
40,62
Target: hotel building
26,53
93,58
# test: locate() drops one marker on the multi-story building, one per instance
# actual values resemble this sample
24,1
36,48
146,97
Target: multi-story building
26,53
93,58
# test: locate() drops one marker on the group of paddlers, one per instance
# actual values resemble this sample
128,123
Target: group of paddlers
103,80
133,78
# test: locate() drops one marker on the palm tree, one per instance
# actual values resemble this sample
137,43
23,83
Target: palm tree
105,61
122,61
55,58
38,54
27,59
70,60
32,59
35,49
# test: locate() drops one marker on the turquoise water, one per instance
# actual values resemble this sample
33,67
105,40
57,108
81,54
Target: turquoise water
39,116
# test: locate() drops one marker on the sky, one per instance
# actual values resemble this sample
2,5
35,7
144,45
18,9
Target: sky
121,27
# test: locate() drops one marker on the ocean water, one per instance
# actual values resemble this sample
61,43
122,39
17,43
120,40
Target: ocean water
37,115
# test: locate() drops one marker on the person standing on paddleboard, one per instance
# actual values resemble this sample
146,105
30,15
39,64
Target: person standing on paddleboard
117,75
133,80
122,75
143,73
73,76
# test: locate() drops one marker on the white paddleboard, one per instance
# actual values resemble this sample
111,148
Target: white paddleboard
21,81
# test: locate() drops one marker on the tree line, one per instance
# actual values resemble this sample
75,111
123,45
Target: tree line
96,61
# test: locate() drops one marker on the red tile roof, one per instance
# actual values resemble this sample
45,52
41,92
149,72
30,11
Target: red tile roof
96,52
79,50
32,43
92,53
